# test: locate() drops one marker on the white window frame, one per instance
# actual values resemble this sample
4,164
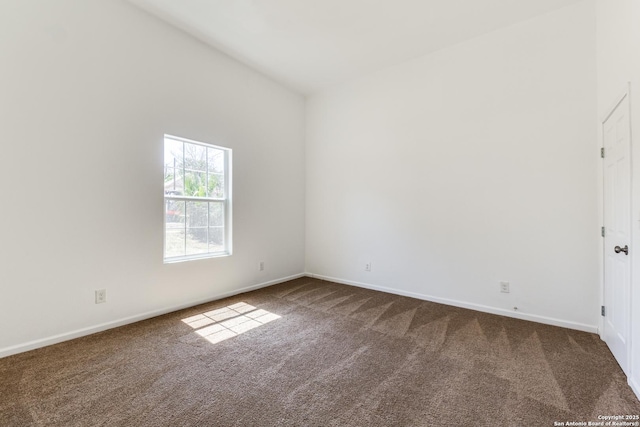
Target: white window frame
226,200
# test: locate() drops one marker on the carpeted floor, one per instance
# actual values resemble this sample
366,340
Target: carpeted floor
314,353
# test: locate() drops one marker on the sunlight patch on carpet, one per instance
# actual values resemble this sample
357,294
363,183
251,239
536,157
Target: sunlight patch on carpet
228,322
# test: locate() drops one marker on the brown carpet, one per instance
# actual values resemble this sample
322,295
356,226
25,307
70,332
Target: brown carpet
314,353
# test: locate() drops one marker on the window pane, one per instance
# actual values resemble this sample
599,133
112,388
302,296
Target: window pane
195,157
173,181
172,153
197,214
197,241
197,220
195,184
216,185
172,166
216,214
174,213
215,160
216,239
174,243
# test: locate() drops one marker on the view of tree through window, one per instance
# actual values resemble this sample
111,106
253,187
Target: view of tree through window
196,197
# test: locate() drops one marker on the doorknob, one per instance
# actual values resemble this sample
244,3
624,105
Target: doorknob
618,249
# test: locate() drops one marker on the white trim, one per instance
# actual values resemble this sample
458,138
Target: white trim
617,101
174,260
191,141
194,198
55,339
634,386
600,201
468,305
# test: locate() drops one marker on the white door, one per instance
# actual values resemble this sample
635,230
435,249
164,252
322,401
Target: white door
617,219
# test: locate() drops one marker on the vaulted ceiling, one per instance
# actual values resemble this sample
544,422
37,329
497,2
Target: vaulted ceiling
309,45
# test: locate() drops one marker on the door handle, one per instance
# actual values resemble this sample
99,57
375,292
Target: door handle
618,249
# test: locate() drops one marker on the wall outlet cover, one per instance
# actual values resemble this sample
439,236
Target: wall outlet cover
101,296
504,287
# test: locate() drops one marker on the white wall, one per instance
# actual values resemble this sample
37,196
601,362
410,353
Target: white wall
618,41
470,166
87,90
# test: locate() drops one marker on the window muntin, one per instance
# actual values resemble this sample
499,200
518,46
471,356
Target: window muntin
196,199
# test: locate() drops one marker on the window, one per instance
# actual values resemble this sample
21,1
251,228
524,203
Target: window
197,200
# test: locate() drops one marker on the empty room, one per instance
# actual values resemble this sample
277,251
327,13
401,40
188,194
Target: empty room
320,213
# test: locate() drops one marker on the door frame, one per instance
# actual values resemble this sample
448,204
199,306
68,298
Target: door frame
618,100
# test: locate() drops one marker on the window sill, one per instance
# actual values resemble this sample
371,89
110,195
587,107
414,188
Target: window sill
195,257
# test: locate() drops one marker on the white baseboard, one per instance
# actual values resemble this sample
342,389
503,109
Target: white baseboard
463,304
55,339
634,386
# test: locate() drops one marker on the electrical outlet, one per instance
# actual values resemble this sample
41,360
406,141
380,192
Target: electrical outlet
101,296
504,287
367,267
261,266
